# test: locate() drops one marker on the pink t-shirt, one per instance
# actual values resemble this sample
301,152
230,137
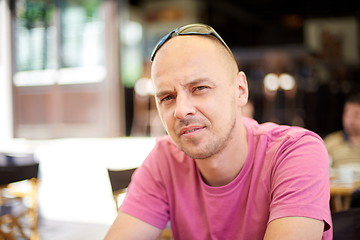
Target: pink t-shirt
285,174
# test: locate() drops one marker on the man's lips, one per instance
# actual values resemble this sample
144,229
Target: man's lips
190,129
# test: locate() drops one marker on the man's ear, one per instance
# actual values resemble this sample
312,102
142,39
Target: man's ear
243,88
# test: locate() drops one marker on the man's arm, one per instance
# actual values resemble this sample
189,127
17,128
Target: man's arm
294,228
127,227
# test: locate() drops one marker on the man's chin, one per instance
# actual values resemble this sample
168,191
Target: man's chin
192,150
196,155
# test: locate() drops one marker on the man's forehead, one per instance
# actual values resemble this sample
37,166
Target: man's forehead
191,42
353,104
194,47
182,49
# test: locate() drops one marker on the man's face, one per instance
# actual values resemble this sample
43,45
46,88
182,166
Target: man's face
351,118
196,94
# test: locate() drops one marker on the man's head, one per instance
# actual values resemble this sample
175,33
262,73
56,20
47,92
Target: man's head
351,115
199,92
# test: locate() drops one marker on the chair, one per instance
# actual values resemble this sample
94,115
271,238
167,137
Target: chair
18,196
346,224
10,220
119,180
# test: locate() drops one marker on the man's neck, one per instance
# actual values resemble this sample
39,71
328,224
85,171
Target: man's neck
225,166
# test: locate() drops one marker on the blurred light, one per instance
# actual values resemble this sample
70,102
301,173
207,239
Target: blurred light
287,82
271,82
143,87
132,33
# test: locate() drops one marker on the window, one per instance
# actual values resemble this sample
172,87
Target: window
62,85
43,58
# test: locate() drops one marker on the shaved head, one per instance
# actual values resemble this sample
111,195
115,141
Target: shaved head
225,54
191,44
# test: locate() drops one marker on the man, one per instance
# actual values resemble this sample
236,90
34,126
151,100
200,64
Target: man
344,146
249,109
219,175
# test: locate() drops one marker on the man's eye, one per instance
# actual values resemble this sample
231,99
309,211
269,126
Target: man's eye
167,98
200,88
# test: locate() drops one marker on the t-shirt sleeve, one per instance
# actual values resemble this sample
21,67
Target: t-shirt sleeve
300,180
146,197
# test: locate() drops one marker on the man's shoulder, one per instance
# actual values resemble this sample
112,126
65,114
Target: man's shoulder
278,132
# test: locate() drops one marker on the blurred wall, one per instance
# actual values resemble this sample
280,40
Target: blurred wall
6,126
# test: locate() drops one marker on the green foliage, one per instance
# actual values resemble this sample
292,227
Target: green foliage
90,6
36,12
39,12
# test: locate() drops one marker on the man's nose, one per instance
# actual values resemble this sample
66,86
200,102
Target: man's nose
184,107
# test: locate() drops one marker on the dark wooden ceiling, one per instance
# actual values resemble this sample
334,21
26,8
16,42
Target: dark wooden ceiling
269,22
272,22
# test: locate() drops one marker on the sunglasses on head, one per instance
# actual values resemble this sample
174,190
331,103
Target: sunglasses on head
190,29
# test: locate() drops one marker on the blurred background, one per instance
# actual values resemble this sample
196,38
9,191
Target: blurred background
79,69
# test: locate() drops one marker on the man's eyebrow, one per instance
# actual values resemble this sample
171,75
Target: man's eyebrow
199,81
163,93
188,84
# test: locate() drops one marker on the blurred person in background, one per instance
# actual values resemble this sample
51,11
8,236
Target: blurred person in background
219,175
344,145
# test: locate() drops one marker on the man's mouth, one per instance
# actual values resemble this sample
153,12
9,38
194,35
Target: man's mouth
188,130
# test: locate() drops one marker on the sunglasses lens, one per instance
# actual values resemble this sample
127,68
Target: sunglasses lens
195,29
190,29
200,29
